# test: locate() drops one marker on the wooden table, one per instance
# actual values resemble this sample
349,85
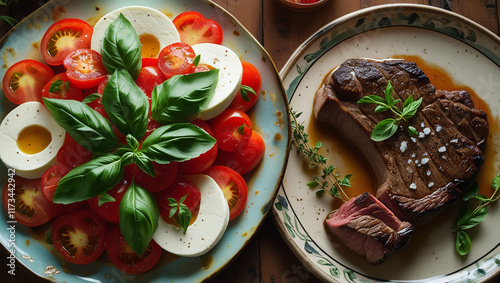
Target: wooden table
267,257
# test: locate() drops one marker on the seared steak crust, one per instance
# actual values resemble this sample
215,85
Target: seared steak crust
417,177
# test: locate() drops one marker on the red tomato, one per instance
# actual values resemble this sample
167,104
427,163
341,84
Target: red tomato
102,85
176,59
61,88
63,37
164,176
84,68
109,211
72,155
25,198
194,28
125,259
152,125
25,80
232,129
149,61
245,158
233,186
51,178
79,236
205,160
179,188
149,77
251,78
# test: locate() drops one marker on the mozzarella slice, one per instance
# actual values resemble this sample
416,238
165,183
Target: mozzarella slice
30,165
230,73
206,231
151,25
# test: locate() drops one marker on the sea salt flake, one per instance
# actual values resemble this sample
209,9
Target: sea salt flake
429,173
409,161
438,128
413,139
442,149
454,141
425,160
413,155
427,131
422,125
421,135
413,186
403,146
430,184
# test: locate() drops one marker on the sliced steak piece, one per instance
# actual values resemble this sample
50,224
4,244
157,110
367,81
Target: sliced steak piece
368,228
417,177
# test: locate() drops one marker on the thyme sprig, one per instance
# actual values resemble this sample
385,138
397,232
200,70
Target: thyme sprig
329,172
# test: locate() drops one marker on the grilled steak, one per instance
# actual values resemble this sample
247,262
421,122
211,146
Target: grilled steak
368,228
417,177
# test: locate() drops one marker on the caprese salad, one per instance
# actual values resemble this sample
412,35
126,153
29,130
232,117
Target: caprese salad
132,137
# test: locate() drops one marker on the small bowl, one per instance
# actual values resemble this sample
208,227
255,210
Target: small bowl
301,6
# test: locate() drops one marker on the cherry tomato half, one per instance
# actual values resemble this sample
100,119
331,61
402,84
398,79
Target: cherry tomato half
63,37
51,178
178,189
205,160
176,59
232,129
26,199
84,68
251,78
25,80
60,87
246,157
194,28
149,77
124,258
233,186
73,154
164,176
79,236
109,211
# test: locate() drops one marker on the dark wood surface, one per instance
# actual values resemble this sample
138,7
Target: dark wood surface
267,257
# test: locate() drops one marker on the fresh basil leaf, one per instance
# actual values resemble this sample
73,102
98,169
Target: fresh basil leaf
132,142
196,60
144,163
105,198
139,217
384,129
244,90
463,217
495,183
173,207
91,98
11,21
184,215
176,142
90,179
56,86
471,192
389,99
371,99
127,158
381,108
85,125
463,243
121,48
241,129
412,131
411,109
477,216
183,98
408,101
67,85
127,106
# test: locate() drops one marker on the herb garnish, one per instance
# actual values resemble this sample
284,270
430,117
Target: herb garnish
470,217
301,140
56,86
386,128
244,90
184,215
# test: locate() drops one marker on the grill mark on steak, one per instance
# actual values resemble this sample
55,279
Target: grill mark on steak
417,181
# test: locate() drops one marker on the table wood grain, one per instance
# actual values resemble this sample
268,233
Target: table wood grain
267,257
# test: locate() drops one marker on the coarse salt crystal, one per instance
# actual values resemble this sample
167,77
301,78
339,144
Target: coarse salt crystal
413,186
413,139
413,155
430,184
403,146
425,160
422,125
421,135
427,131
429,173
442,149
454,141
409,161
438,128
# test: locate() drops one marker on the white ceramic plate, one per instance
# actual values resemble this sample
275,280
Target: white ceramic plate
469,54
270,118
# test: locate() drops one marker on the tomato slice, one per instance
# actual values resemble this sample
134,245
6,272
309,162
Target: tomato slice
246,158
233,186
79,236
60,87
194,28
84,68
51,178
72,155
26,197
164,176
176,59
178,189
25,80
109,210
251,78
124,258
63,37
205,160
149,78
232,129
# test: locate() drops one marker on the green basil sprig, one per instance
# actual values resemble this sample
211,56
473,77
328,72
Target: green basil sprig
470,217
386,128
90,179
139,217
121,48
182,98
127,106
184,215
89,128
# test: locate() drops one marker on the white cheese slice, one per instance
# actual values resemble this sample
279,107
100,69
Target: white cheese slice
29,166
230,73
206,231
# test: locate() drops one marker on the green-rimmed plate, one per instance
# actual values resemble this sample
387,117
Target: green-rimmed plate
270,118
470,55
